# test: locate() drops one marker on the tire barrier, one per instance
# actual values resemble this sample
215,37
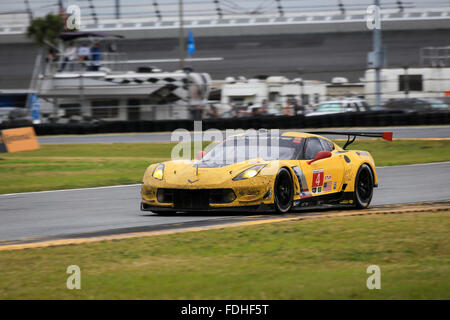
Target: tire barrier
363,119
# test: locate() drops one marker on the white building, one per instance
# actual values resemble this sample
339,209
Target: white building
276,90
408,83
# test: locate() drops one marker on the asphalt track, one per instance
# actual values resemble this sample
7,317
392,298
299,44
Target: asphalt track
109,210
399,132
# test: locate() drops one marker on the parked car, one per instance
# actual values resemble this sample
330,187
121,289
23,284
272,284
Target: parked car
340,106
408,105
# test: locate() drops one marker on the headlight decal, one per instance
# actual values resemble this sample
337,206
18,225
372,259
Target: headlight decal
249,172
158,173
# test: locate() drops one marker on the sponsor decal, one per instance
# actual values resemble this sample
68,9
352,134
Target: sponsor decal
314,190
334,185
327,187
20,139
319,189
327,177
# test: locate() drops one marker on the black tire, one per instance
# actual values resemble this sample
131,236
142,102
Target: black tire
363,187
283,193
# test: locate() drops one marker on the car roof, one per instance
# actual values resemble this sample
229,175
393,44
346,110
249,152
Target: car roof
295,134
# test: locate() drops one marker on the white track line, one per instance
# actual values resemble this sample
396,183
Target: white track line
63,190
415,164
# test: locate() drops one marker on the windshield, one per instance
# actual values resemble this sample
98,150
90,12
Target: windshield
238,149
437,104
330,107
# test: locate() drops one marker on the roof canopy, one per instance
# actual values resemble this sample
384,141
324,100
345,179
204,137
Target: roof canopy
69,36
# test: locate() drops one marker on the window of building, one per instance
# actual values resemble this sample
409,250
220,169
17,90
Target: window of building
316,98
410,82
237,100
305,99
105,109
274,96
71,109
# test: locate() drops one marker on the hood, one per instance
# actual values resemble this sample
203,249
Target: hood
186,172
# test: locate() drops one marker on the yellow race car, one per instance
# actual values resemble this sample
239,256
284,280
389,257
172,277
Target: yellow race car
263,172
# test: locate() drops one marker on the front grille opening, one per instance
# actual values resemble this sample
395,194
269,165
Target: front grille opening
195,199
221,196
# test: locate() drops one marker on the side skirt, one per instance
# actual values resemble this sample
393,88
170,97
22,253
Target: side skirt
332,198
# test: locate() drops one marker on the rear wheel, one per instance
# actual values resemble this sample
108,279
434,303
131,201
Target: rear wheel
363,187
283,191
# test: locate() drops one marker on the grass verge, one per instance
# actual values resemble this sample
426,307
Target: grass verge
89,165
310,259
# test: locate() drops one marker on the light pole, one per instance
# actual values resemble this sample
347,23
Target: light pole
181,33
406,81
299,106
117,9
300,82
377,49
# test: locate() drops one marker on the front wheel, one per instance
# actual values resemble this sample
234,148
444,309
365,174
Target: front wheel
363,187
283,191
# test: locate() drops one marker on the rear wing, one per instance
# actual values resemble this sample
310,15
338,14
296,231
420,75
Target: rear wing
351,135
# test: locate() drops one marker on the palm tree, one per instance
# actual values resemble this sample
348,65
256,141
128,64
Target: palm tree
46,30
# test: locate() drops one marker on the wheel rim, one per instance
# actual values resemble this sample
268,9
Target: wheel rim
365,185
283,190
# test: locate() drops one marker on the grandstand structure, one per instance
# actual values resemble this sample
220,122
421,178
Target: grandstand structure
224,17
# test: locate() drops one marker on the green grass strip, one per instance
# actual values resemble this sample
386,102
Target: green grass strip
310,259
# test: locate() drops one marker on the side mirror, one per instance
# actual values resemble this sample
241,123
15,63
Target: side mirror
200,155
320,155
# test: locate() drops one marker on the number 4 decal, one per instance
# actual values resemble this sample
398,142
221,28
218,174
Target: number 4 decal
317,178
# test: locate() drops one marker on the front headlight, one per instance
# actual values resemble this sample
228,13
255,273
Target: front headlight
250,172
158,173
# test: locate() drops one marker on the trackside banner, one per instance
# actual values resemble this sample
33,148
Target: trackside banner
20,139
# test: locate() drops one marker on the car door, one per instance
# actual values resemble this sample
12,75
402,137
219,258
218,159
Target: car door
322,176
